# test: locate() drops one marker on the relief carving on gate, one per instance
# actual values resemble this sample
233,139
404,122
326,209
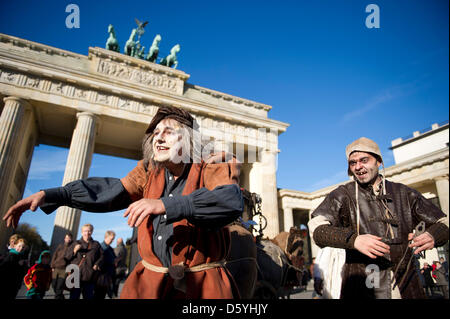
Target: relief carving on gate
140,76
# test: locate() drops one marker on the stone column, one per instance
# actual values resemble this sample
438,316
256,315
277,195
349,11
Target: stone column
442,192
269,194
11,120
288,218
77,167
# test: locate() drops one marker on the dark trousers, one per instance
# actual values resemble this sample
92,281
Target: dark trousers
86,288
58,284
116,283
444,290
318,285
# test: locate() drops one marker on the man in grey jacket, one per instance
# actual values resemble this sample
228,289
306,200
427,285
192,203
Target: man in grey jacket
441,280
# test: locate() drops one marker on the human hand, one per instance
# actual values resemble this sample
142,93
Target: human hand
95,267
371,245
76,248
140,209
32,202
422,242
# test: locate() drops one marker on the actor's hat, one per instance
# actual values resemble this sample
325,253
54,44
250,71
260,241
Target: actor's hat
171,112
363,144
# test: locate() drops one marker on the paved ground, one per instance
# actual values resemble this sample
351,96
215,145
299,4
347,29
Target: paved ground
305,294
51,293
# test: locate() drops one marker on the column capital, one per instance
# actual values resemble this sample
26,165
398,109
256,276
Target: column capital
89,114
16,99
95,118
286,206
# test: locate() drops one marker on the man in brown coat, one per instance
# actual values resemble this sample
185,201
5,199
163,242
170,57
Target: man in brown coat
87,254
58,265
373,220
180,204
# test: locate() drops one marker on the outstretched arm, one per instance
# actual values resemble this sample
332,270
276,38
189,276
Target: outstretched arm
93,194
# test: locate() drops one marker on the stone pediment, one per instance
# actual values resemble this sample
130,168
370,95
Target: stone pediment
134,71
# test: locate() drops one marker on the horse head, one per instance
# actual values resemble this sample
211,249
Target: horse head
111,29
156,40
176,48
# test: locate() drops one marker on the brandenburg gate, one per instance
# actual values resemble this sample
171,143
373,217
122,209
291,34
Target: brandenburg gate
103,103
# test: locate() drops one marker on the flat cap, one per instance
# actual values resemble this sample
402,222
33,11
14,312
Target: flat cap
170,112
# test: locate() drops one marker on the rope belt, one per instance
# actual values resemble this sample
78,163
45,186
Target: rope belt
177,271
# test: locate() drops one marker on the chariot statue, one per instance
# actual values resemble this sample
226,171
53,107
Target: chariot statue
134,48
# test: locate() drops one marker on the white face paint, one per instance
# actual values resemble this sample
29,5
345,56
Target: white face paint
167,141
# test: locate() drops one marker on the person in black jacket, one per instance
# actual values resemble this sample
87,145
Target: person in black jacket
104,284
87,254
12,270
429,282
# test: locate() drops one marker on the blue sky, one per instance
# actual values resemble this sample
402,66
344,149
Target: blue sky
315,62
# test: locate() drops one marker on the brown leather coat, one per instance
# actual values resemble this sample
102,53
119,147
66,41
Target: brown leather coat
90,254
58,260
192,245
408,206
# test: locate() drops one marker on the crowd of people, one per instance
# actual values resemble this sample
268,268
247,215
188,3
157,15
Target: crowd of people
434,278
101,268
